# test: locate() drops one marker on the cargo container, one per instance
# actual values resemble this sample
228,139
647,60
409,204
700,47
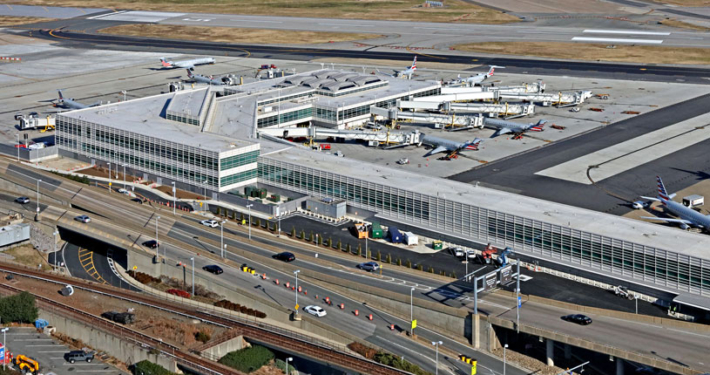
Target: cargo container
410,238
262,193
395,236
376,231
275,198
361,230
248,191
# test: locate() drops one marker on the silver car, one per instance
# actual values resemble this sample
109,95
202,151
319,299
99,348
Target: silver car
83,219
369,266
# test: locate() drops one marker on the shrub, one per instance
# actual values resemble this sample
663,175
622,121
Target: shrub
144,278
229,305
18,308
379,256
320,240
281,365
359,250
303,234
398,363
431,269
179,293
248,359
146,367
293,232
339,245
219,211
399,261
202,337
409,263
363,350
453,274
420,267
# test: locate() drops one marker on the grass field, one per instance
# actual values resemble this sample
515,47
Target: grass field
13,21
593,52
400,10
684,25
234,35
27,255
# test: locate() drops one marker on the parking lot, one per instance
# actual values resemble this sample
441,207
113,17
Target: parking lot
49,352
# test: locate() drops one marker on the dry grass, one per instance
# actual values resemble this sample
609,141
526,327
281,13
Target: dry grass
27,255
234,35
685,3
594,52
684,25
399,10
14,21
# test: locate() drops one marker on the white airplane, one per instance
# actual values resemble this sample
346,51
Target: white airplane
202,79
70,103
186,64
478,78
450,147
403,73
687,216
505,127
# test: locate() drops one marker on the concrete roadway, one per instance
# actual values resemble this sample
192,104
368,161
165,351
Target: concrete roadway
186,230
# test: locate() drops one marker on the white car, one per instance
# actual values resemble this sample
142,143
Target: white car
83,219
640,204
315,310
123,191
210,223
471,254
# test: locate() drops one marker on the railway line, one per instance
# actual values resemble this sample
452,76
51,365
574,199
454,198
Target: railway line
276,336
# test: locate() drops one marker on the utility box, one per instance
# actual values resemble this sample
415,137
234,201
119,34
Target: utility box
693,200
376,231
14,233
437,245
327,207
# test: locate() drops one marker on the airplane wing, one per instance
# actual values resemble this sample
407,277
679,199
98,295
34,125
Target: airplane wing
387,74
502,131
437,150
95,104
680,221
651,199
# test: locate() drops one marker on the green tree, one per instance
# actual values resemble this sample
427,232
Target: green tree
303,234
453,274
399,261
311,237
409,263
388,259
146,367
339,245
293,232
420,267
320,240
234,215
19,308
219,211
258,222
249,359
431,269
359,250
379,256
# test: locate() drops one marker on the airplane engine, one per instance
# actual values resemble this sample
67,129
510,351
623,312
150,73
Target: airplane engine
685,226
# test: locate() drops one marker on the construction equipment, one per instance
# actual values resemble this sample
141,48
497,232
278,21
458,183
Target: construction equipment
487,254
26,364
503,257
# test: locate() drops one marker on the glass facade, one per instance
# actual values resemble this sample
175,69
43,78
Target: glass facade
304,114
238,177
238,160
544,240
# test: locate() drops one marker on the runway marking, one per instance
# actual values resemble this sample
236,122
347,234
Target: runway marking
105,15
628,32
86,258
338,24
243,20
617,40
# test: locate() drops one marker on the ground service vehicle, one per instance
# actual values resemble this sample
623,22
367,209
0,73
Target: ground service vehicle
26,364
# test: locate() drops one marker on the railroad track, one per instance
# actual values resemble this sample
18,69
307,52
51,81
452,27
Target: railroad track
269,334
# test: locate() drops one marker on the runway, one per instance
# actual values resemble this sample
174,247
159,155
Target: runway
513,65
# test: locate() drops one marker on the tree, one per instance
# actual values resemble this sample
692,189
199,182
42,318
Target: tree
349,248
258,222
431,269
359,250
339,245
293,232
147,367
320,240
453,274
399,261
388,259
18,308
311,237
241,217
303,234
248,359
219,211
420,267
330,242
409,263
379,256
234,216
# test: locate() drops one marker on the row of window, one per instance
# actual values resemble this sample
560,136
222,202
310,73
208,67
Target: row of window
349,91
284,117
238,177
285,98
190,120
238,160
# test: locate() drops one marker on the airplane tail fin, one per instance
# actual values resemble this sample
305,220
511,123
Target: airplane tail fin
61,97
165,63
662,192
539,126
414,63
189,73
473,145
491,71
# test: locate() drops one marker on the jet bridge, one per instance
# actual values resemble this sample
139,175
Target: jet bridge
536,87
379,137
560,99
507,110
425,117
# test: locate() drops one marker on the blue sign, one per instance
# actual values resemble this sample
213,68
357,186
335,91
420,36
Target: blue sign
2,353
520,303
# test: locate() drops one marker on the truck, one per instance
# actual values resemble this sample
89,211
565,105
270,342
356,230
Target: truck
34,121
693,201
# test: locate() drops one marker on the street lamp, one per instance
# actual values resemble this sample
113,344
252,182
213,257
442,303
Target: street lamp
124,176
221,236
4,331
504,360
296,273
193,275
18,147
109,177
157,251
411,309
437,343
56,232
174,197
636,297
249,224
289,359
37,216
366,235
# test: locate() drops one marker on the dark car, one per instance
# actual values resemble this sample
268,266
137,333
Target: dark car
213,269
152,244
137,200
22,200
285,256
369,266
79,355
578,318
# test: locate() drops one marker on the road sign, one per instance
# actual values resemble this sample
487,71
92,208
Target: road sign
109,184
414,323
2,351
297,306
520,303
473,367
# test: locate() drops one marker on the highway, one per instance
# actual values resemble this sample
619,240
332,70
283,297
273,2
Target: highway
530,66
123,217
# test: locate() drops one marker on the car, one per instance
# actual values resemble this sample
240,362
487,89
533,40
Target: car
37,146
578,318
369,266
640,204
285,256
210,223
315,310
79,355
22,200
471,254
152,244
83,219
457,252
137,200
123,191
213,269
623,292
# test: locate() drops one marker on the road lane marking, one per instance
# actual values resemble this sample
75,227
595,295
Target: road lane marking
628,32
617,40
242,20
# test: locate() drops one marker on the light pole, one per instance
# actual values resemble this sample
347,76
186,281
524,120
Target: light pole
157,251
18,147
437,343
109,177
37,216
636,297
124,176
174,197
249,223
504,359
204,189
56,232
570,371
193,275
221,236
289,359
4,331
517,298
296,273
279,223
366,235
411,309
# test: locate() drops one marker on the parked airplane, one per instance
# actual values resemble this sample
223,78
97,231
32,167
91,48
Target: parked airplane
403,73
505,127
478,78
186,64
687,216
450,147
202,79
69,103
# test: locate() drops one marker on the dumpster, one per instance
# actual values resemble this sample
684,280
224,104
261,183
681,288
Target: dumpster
394,235
376,231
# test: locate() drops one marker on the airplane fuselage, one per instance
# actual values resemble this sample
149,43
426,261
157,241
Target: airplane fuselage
686,213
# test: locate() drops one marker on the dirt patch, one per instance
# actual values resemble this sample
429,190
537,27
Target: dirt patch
397,10
593,52
29,256
684,25
103,172
180,194
235,35
13,21
685,3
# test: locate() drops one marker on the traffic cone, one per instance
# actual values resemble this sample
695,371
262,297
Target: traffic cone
263,276
288,284
369,317
327,299
357,313
391,327
276,281
299,289
305,292
342,306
